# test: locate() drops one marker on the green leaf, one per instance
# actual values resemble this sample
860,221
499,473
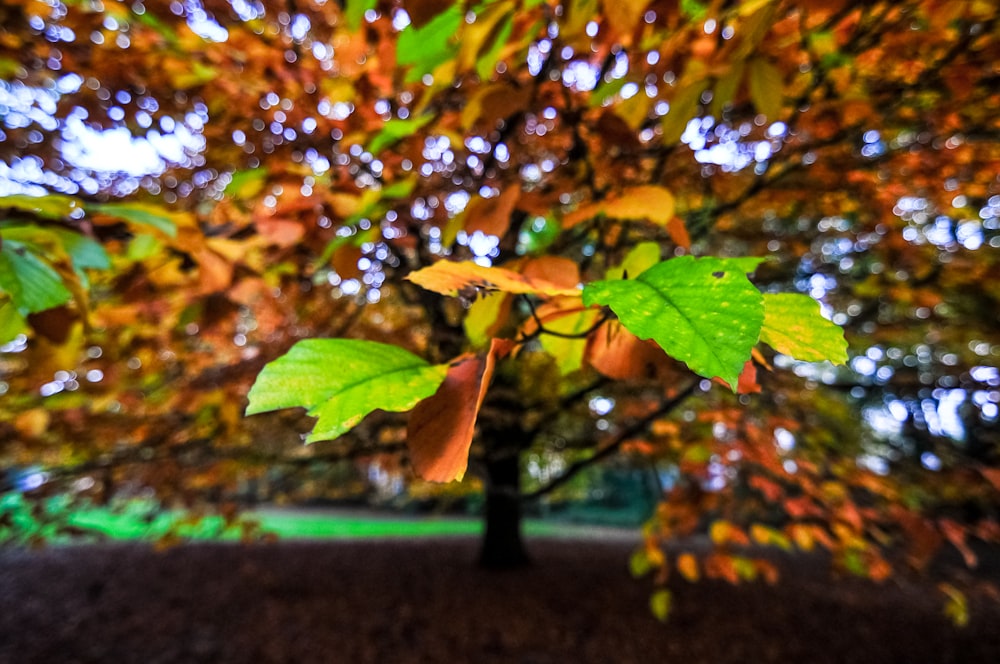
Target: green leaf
142,247
32,284
143,214
487,62
340,381
396,130
702,311
431,45
659,604
84,251
246,184
794,326
50,206
11,322
354,12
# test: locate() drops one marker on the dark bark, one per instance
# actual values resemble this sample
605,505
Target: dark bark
503,547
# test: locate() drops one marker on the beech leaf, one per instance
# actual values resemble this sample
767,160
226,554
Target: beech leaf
702,311
33,285
451,278
794,326
340,381
442,426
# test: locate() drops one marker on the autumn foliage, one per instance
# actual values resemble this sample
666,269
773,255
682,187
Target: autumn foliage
530,223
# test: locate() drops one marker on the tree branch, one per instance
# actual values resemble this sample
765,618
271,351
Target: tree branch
614,445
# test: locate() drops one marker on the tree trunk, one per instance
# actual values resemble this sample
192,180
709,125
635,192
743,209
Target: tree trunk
502,546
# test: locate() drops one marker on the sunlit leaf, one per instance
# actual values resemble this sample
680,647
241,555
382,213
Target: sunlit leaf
425,48
640,258
452,278
795,326
652,203
340,381
702,311
50,206
484,318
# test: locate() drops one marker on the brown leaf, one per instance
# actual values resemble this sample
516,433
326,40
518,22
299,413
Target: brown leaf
441,427
345,261
53,324
422,11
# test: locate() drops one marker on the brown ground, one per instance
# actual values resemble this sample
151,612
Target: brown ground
422,601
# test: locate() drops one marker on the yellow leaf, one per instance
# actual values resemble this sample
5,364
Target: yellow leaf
478,36
766,88
624,16
451,278
484,317
649,202
32,423
659,604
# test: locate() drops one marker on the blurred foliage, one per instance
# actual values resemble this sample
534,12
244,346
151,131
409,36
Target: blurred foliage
189,188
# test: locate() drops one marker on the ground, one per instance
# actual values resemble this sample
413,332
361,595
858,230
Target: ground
422,600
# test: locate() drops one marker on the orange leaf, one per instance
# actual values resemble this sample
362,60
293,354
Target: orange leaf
955,533
643,202
441,427
450,278
992,476
492,215
553,269
678,232
280,232
687,565
617,353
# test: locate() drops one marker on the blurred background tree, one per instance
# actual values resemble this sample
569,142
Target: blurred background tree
192,187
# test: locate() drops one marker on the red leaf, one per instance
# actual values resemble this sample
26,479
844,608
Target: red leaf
441,427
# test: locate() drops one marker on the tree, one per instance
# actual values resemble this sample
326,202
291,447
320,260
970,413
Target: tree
325,160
